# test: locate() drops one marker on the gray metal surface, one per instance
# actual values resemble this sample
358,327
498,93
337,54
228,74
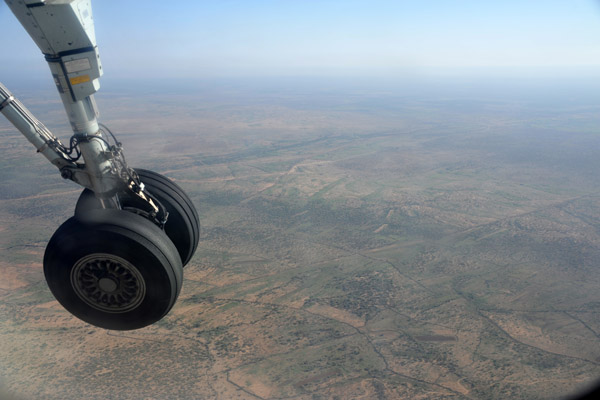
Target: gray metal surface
64,32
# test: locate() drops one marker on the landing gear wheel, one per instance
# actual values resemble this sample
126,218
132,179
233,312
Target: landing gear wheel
182,227
113,269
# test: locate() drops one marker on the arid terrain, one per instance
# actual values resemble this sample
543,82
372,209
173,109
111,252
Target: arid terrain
358,242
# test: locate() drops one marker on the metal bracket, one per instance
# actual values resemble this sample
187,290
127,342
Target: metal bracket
6,102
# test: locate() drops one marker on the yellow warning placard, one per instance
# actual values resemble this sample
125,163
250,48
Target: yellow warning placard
79,79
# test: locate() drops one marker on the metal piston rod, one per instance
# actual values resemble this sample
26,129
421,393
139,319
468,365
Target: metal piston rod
43,140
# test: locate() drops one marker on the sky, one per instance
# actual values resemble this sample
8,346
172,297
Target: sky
190,39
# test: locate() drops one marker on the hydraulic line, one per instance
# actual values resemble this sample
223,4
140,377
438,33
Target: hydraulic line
35,131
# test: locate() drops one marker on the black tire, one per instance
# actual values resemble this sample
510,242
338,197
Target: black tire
183,225
113,269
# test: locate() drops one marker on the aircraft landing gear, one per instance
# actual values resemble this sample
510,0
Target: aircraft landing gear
117,263
113,269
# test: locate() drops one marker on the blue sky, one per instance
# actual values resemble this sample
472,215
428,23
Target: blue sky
344,37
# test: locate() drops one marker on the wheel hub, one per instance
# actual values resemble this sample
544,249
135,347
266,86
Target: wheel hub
108,283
